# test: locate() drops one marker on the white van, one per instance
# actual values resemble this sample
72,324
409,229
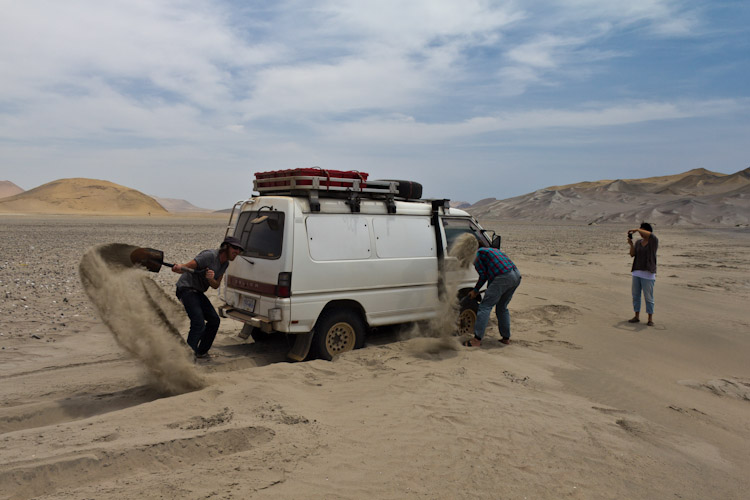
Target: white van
327,258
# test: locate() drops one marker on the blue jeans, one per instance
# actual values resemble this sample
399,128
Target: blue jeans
499,292
204,322
647,287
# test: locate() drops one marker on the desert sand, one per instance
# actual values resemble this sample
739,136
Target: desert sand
582,404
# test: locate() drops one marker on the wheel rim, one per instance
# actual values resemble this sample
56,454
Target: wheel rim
466,321
340,338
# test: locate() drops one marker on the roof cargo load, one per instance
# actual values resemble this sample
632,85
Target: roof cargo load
276,181
351,184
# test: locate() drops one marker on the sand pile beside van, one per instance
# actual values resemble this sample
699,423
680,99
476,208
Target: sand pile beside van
439,333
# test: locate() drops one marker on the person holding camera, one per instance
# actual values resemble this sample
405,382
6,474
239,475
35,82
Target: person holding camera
643,270
205,270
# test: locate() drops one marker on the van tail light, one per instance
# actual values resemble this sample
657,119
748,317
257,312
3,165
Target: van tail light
284,285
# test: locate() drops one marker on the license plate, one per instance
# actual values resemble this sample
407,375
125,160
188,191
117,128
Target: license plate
247,304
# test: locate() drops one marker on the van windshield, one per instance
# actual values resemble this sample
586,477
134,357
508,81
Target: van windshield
455,227
261,233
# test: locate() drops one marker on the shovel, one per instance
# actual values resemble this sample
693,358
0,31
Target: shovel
152,259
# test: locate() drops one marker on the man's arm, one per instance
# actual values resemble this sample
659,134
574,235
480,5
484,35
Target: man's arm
479,266
642,232
214,283
178,268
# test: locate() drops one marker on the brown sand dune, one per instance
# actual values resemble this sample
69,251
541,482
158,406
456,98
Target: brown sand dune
7,188
81,196
696,197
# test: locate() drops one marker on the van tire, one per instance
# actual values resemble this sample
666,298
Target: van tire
337,331
407,189
467,317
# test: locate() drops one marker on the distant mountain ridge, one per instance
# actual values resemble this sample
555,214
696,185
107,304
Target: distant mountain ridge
178,206
7,188
695,197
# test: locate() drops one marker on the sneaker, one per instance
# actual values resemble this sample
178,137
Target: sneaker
203,355
504,341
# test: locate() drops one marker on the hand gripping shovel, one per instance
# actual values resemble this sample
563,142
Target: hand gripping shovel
152,259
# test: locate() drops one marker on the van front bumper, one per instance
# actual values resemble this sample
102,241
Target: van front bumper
264,324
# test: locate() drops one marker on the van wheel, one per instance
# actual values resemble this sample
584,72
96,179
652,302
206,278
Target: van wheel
337,331
467,317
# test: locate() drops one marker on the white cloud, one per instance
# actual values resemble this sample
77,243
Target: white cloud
406,129
663,17
180,47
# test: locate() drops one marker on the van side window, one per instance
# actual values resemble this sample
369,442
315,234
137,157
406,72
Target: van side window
456,227
262,237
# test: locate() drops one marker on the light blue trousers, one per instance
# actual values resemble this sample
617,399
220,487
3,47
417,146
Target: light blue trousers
647,287
499,292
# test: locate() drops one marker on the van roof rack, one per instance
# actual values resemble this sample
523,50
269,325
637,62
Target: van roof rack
314,183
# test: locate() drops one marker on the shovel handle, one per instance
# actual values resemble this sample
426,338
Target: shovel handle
183,267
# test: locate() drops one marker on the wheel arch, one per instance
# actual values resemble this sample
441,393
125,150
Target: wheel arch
349,304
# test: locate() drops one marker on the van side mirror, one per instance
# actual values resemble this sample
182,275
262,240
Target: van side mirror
496,240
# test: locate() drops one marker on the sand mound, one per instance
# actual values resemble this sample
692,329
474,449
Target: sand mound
82,196
141,316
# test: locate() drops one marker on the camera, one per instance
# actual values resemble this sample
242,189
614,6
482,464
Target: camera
630,236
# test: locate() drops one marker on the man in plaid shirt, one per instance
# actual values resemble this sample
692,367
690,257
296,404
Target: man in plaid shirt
502,276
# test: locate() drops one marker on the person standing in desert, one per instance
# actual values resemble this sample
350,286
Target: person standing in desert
643,270
206,269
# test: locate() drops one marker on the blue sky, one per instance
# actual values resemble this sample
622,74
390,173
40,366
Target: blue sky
474,99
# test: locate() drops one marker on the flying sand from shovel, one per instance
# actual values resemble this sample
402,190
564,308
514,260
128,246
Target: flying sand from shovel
143,318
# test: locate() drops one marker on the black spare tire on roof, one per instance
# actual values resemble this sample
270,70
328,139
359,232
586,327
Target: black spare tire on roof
410,190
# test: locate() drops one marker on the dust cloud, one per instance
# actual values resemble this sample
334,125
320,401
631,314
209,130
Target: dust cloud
142,317
438,334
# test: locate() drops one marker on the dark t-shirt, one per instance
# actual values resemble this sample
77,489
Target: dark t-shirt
645,256
207,259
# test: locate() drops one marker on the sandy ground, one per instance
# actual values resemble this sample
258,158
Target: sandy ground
581,405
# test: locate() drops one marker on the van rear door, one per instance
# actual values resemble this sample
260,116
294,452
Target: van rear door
257,273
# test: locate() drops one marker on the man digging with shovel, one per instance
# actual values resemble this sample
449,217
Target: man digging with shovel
206,269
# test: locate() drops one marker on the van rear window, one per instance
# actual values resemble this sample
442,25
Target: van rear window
262,234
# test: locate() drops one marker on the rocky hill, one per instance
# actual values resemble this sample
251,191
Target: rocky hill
7,188
81,196
696,197
175,205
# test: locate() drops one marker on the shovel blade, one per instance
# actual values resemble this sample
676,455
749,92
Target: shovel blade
150,258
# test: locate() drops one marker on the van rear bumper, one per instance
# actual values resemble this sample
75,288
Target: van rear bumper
264,324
